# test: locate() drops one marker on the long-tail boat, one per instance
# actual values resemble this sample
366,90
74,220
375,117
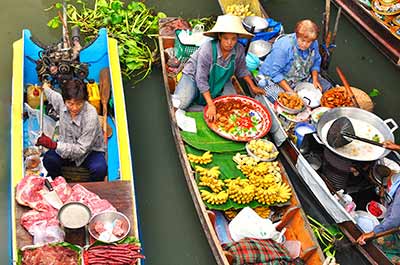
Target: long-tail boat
118,188
315,184
293,217
381,32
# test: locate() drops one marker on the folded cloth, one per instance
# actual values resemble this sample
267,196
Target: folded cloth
259,252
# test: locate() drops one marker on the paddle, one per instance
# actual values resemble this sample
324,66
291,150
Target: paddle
342,128
347,86
340,245
105,86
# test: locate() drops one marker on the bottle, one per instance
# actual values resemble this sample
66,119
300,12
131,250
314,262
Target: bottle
33,96
94,94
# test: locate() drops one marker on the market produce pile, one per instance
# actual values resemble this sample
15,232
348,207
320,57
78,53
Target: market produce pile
253,184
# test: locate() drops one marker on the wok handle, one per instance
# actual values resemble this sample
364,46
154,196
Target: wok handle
394,124
361,139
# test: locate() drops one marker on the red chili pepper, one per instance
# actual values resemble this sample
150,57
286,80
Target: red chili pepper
374,208
245,122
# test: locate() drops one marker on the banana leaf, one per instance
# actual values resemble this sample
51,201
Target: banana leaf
207,140
228,171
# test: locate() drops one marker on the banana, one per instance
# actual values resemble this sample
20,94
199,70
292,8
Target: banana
214,198
284,192
212,172
216,185
263,211
203,159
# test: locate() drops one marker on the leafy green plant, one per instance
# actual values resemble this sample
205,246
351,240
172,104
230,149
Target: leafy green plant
133,25
374,92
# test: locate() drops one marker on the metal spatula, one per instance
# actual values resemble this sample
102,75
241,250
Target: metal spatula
341,130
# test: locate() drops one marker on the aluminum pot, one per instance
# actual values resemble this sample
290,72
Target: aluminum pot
383,126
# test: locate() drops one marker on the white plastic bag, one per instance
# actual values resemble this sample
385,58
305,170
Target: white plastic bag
33,127
249,224
43,234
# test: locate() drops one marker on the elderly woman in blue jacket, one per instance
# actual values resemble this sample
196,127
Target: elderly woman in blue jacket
294,58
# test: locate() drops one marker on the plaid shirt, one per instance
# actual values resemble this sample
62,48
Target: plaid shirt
80,136
259,252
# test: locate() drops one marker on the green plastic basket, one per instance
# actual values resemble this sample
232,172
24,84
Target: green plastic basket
183,51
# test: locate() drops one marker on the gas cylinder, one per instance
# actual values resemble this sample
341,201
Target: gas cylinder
94,94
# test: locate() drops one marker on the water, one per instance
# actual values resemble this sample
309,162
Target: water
171,232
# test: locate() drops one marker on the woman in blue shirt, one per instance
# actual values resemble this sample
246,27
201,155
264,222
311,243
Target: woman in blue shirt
294,58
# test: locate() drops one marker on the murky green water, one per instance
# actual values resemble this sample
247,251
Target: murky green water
171,232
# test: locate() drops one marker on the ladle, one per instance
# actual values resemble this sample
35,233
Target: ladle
342,129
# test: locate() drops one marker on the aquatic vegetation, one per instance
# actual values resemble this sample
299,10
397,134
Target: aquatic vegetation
133,25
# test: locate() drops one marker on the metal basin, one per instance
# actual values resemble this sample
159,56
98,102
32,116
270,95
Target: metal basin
359,114
258,23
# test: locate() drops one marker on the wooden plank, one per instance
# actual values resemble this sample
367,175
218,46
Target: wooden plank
118,193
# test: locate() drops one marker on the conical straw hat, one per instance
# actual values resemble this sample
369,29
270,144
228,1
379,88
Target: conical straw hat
228,24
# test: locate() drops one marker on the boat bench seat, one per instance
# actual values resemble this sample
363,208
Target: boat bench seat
75,174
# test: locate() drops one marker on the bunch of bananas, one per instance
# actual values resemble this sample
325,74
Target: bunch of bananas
240,190
263,211
268,195
262,181
284,192
245,160
203,159
239,10
205,172
214,198
216,185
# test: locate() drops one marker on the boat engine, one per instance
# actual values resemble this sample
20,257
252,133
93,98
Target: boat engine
60,62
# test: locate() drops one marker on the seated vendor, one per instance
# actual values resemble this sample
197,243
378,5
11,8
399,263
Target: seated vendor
81,141
294,58
390,244
208,72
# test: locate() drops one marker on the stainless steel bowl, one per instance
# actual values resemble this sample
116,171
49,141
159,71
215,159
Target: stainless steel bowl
259,24
108,221
260,48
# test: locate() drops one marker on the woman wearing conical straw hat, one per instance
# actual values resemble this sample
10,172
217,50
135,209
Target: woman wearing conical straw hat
208,72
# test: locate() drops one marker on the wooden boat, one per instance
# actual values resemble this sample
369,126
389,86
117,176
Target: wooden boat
119,188
294,219
316,185
374,29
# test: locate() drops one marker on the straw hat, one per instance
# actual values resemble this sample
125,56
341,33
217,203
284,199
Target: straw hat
228,24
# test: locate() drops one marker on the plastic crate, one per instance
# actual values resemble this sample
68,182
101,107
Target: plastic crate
183,51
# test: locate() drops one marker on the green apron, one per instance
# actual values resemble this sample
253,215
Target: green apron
219,75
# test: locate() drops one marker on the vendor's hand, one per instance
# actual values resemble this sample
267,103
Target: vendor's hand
317,84
46,141
258,91
392,146
361,240
46,84
211,112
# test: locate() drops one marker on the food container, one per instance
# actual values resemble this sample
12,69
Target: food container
309,93
260,48
262,150
317,113
301,129
292,95
74,215
370,210
258,23
109,227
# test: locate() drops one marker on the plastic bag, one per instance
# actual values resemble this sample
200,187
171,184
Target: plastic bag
32,127
43,234
249,224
